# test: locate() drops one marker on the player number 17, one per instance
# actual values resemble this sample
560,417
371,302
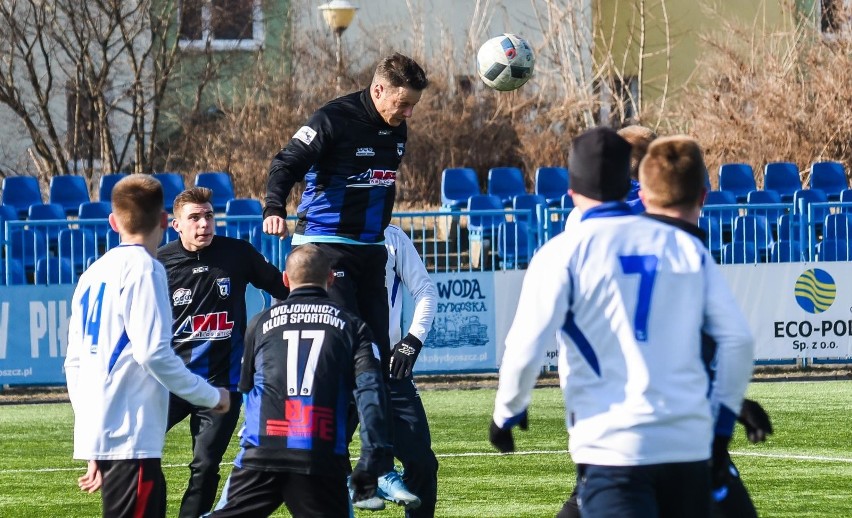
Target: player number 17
294,341
646,267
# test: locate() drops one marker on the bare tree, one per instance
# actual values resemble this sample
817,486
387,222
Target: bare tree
94,72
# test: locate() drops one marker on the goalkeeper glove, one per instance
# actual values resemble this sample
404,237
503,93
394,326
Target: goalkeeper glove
404,355
363,484
502,438
755,420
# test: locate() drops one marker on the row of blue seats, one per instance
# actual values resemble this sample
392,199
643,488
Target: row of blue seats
736,179
70,191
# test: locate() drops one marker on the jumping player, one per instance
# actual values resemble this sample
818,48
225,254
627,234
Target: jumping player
120,366
208,276
303,360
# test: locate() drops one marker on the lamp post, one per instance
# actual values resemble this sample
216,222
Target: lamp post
338,14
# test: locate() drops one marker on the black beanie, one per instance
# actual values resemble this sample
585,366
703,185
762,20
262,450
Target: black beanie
599,166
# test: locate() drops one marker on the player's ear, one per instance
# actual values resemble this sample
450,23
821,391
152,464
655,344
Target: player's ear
330,280
286,280
112,222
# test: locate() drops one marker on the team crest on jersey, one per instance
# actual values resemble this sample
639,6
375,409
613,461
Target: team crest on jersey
305,135
373,178
181,297
211,326
224,285
400,149
365,151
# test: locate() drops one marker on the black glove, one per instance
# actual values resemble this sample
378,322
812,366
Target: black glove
755,420
403,357
721,461
502,438
363,484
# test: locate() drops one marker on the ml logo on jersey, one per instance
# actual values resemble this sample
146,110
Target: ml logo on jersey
400,149
224,285
365,151
212,326
182,297
372,178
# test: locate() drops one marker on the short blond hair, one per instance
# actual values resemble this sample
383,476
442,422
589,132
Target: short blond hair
639,137
307,264
672,173
137,203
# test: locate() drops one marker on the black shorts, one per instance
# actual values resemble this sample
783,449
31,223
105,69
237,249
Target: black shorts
133,488
252,493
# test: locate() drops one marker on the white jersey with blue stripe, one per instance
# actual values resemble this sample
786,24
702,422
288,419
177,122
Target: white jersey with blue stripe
406,268
120,365
627,298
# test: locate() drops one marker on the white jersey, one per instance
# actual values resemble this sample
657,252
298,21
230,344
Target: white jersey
628,297
405,267
120,365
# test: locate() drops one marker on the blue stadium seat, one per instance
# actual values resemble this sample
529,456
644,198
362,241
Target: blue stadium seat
172,186
513,244
69,191
765,199
242,207
830,177
76,245
479,226
52,212
106,184
7,213
837,226
784,251
506,183
739,253
273,248
567,202
753,231
98,210
712,235
724,215
27,245
12,272
738,179
530,204
221,185
783,178
20,192
833,250
552,183
53,270
457,185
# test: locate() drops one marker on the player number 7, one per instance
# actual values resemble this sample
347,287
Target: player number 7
646,267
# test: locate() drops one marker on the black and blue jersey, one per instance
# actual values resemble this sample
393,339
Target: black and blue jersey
208,293
303,360
349,158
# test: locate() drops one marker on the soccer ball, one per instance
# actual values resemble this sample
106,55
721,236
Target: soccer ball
506,62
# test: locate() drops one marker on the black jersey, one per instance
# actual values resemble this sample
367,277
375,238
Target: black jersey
349,158
303,360
208,293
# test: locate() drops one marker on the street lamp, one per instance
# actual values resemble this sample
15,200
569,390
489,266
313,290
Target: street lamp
338,14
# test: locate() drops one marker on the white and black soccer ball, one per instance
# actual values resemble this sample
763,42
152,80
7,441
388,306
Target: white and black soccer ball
506,62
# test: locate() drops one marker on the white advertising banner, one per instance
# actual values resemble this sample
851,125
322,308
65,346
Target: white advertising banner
796,310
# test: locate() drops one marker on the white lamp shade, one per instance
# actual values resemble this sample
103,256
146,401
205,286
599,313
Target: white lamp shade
338,14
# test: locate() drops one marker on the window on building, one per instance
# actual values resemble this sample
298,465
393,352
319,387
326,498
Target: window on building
221,24
835,17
